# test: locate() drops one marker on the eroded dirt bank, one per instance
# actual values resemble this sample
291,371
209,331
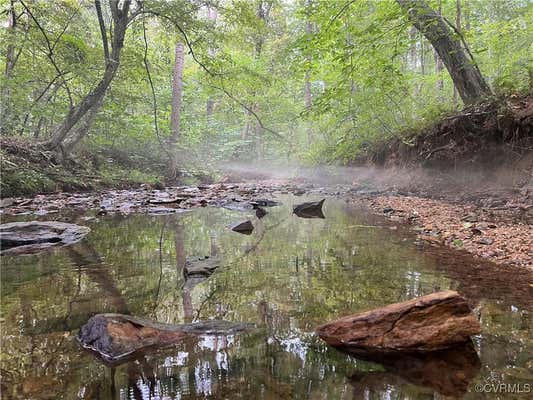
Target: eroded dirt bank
466,182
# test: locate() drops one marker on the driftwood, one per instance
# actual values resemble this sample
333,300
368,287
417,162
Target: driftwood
117,337
428,323
35,236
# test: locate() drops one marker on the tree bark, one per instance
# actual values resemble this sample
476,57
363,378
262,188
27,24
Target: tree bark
82,130
459,29
212,16
5,101
465,75
263,10
177,93
94,98
246,131
307,85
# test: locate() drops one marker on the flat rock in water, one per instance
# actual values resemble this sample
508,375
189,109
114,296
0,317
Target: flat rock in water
428,323
264,203
116,337
244,227
35,236
311,209
165,200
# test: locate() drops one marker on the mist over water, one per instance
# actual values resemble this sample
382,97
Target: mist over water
376,178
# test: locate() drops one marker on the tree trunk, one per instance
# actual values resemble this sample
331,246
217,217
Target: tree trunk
5,100
212,16
263,10
465,75
94,98
439,66
177,93
82,130
422,56
307,85
246,131
413,59
458,26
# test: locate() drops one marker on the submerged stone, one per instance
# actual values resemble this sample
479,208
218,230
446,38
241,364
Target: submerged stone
35,236
116,337
428,323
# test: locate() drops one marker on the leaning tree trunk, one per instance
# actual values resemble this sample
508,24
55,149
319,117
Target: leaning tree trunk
466,77
95,97
82,130
177,93
459,29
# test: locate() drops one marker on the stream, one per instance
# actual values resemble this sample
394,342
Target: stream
289,276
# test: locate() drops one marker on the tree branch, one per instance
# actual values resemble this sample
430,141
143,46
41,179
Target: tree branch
243,105
150,81
50,53
103,31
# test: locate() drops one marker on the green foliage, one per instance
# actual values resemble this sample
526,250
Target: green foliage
372,76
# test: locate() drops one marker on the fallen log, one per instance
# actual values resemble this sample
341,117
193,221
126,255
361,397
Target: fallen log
118,337
428,323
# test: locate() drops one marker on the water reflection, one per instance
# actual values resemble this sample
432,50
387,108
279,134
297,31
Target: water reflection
289,276
447,372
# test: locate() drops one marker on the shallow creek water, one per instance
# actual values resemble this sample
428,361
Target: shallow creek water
289,276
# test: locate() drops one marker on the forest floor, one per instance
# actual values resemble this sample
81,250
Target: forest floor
28,170
493,226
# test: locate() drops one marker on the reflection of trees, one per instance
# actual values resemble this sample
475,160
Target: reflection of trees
90,262
261,286
179,245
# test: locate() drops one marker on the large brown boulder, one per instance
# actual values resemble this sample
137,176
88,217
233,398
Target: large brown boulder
428,323
117,337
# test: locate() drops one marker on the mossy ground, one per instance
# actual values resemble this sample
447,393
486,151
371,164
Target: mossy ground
27,171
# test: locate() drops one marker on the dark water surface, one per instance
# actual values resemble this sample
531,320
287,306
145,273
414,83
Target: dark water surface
289,276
